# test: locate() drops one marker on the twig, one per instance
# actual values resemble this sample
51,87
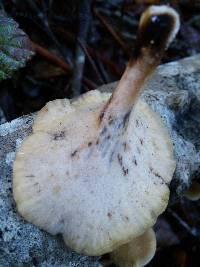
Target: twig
79,61
59,62
111,65
90,84
85,50
102,70
191,230
43,18
51,57
111,31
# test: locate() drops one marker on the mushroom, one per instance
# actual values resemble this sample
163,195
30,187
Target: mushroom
137,253
193,192
97,169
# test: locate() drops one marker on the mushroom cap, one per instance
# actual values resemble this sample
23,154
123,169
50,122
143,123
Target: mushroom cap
98,189
193,192
167,15
136,253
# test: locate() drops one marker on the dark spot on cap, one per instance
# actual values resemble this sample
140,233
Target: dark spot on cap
135,162
119,157
59,136
101,116
125,171
125,146
74,153
141,141
30,176
127,218
90,143
126,119
109,215
162,180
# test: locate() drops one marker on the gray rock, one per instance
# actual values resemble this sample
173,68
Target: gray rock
174,93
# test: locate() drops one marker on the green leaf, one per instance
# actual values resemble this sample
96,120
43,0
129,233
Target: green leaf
15,47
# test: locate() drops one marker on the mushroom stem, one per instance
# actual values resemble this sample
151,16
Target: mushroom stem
157,28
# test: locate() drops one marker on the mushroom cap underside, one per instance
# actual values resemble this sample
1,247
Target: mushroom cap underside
136,253
98,192
193,193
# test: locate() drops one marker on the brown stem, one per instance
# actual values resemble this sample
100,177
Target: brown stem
158,26
111,31
129,87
